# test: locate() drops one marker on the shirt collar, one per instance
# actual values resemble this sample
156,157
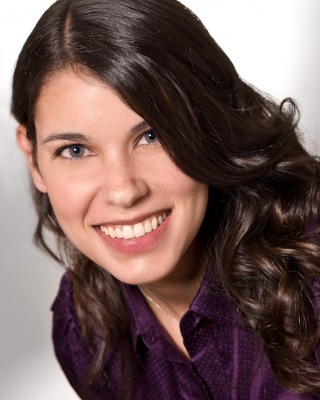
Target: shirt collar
211,301
141,319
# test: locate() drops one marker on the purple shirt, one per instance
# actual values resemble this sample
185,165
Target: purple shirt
227,359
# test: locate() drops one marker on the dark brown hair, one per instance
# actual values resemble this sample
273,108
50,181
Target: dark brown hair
264,194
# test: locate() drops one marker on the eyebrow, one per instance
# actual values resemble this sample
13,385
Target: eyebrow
66,136
141,125
71,137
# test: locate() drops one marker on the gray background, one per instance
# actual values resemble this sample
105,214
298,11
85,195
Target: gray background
274,45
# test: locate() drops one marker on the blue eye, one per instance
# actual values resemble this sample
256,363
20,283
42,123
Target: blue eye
73,151
151,136
148,138
76,151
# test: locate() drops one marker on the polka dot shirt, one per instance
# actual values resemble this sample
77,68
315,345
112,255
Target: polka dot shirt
226,359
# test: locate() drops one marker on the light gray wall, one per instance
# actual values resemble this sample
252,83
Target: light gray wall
274,45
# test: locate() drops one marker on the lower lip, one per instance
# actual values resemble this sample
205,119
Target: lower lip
136,245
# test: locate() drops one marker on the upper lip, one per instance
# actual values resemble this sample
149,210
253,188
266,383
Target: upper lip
134,220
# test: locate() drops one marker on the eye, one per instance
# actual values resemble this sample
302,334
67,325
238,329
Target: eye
73,151
148,138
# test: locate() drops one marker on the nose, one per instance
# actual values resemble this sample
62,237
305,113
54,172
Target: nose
123,186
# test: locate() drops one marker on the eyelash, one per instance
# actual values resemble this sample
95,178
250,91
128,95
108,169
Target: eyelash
149,144
58,152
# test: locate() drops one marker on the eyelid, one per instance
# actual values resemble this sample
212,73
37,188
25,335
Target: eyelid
60,149
140,137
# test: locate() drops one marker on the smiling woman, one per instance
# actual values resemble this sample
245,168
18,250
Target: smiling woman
184,207
108,183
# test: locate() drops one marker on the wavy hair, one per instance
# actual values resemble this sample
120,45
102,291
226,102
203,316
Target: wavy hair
262,220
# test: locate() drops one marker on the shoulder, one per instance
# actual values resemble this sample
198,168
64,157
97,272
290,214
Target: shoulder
316,296
316,293
71,351
64,316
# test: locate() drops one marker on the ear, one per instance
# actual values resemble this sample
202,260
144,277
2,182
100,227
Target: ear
26,148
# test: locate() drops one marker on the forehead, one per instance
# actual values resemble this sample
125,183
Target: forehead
70,100
68,86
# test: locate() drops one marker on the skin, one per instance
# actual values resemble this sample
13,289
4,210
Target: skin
121,178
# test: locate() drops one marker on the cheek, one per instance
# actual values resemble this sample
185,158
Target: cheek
183,187
69,199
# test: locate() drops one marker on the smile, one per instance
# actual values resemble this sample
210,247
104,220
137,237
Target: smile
134,231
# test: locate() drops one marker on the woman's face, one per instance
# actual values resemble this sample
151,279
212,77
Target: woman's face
116,194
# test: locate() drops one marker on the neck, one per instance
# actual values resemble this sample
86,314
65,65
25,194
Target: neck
175,296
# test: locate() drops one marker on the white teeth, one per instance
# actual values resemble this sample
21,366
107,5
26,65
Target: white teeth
135,231
128,232
111,232
119,233
148,227
154,223
138,230
104,230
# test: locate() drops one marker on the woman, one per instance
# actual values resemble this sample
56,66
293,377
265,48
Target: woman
183,204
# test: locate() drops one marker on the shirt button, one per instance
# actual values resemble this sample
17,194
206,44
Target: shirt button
152,338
